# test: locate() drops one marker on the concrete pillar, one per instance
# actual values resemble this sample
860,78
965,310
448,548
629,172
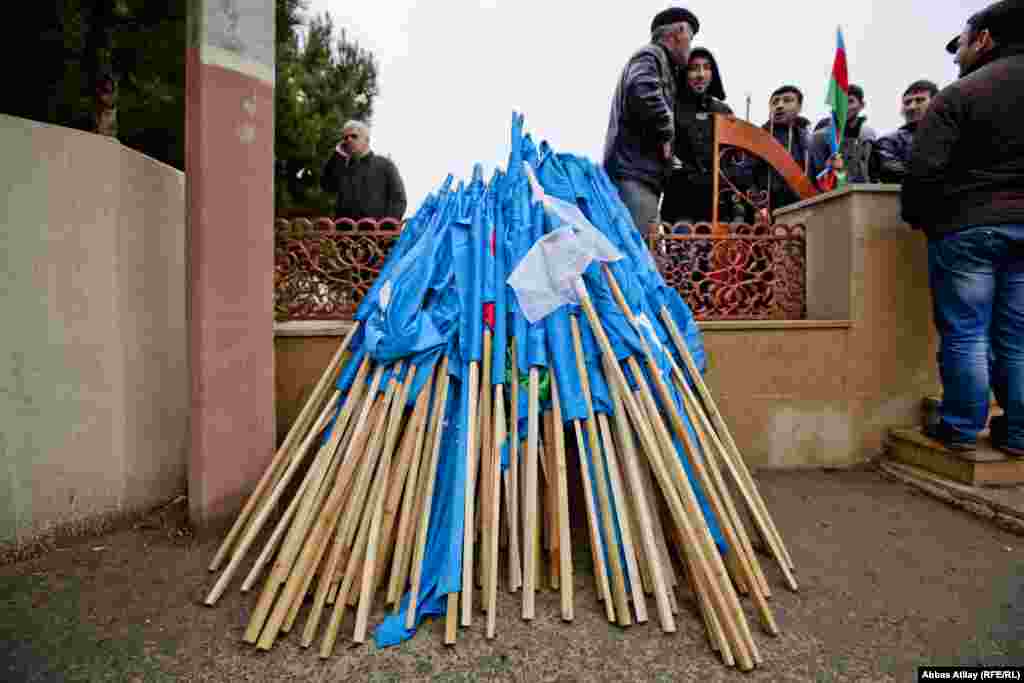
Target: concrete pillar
230,203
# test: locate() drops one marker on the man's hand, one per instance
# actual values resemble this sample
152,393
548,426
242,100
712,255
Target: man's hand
666,151
341,150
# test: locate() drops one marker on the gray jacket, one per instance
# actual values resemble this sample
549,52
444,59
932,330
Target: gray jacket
855,150
641,119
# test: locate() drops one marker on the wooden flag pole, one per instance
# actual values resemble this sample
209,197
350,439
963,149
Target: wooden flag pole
283,453
403,483
625,512
513,494
347,584
257,523
383,473
744,553
604,591
312,552
340,437
469,507
642,506
683,511
561,486
428,497
412,496
495,509
485,421
530,527
604,499
697,465
296,535
735,463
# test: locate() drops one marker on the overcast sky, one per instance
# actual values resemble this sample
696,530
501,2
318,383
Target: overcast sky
451,72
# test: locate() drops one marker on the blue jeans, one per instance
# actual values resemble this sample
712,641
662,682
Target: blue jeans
977,283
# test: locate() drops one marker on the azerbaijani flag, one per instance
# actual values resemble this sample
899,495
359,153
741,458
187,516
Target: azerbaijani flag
838,98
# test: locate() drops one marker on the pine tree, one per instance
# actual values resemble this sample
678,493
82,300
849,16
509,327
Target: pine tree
322,80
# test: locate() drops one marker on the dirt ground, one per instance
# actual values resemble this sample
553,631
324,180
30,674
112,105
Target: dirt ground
889,580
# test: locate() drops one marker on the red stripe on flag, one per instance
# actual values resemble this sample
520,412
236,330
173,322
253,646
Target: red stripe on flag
839,72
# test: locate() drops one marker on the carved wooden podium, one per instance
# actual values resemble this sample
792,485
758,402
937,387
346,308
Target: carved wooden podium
733,133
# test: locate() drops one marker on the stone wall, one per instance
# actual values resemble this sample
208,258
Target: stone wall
93,367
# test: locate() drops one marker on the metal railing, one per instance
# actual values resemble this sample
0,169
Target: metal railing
322,269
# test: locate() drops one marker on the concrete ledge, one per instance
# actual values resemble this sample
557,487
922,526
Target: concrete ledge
1004,507
313,328
339,328
883,188
761,325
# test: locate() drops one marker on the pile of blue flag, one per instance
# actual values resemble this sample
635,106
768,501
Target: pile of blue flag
445,282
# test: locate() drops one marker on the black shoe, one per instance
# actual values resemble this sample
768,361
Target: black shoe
997,428
941,433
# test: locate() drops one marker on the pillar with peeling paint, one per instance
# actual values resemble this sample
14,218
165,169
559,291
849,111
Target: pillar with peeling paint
230,204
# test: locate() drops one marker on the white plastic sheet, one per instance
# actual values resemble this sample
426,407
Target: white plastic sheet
545,279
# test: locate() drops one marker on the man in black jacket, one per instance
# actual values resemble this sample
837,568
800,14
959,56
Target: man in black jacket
965,189
792,131
367,185
891,152
641,124
701,94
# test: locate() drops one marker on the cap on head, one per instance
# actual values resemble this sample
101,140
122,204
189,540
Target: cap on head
673,15
856,91
1004,20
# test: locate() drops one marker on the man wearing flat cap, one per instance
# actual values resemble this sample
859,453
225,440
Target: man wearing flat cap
641,125
965,189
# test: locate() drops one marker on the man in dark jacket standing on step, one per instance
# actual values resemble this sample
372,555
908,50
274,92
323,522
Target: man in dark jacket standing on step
367,185
965,189
701,95
641,125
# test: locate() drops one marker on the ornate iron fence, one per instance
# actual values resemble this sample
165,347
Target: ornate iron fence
752,272
322,270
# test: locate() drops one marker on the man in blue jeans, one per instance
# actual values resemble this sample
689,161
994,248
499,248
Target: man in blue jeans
965,188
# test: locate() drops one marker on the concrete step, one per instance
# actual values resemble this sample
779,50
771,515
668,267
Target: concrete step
930,407
984,467
1003,505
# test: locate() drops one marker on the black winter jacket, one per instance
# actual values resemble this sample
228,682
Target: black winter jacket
890,154
967,163
689,188
796,139
694,140
369,187
641,120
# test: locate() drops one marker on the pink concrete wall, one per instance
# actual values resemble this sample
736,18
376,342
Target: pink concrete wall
230,134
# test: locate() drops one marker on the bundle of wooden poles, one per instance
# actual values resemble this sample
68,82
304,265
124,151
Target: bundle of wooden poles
341,516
